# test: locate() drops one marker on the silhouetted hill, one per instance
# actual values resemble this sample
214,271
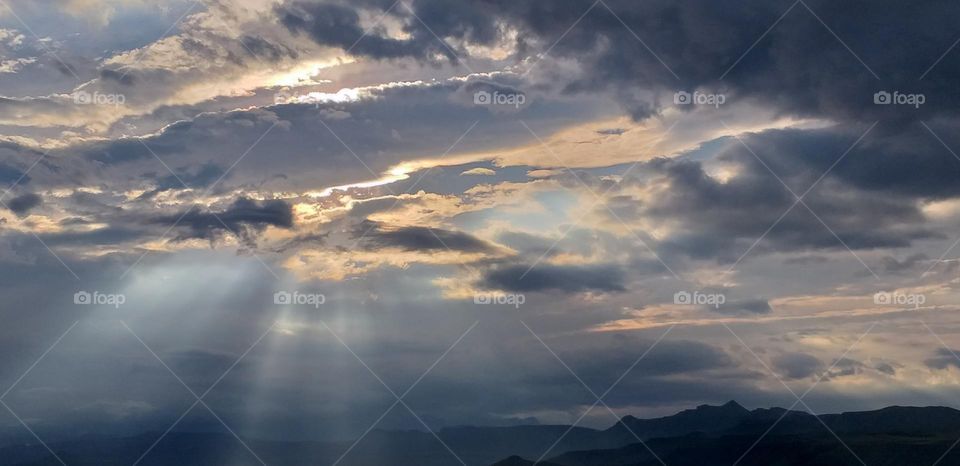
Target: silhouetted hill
518,461
891,420
889,436
703,418
806,450
705,435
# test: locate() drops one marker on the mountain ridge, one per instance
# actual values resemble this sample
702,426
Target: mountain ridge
703,435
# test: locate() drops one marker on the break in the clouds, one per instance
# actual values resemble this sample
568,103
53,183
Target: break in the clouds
748,193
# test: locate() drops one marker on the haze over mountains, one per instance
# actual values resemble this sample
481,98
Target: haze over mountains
706,435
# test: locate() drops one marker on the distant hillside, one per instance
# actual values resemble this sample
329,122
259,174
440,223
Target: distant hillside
704,436
779,450
704,418
894,436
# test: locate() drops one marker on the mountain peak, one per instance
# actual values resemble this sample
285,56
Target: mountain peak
733,404
730,406
703,418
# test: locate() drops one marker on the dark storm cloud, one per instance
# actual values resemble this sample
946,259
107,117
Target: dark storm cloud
797,365
798,66
116,76
339,25
619,353
130,149
201,177
262,48
244,218
311,239
10,174
377,235
720,219
545,277
944,358
845,367
201,140
885,368
904,158
23,203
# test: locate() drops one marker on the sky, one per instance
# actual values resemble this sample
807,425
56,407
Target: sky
298,219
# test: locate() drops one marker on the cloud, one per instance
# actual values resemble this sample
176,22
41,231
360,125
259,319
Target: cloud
543,277
406,125
184,178
894,265
479,171
611,131
743,307
943,359
23,203
844,367
885,368
10,175
245,218
414,238
218,51
797,365
333,24
699,44
708,219
107,236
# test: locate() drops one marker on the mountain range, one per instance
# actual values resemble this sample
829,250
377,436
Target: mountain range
707,435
